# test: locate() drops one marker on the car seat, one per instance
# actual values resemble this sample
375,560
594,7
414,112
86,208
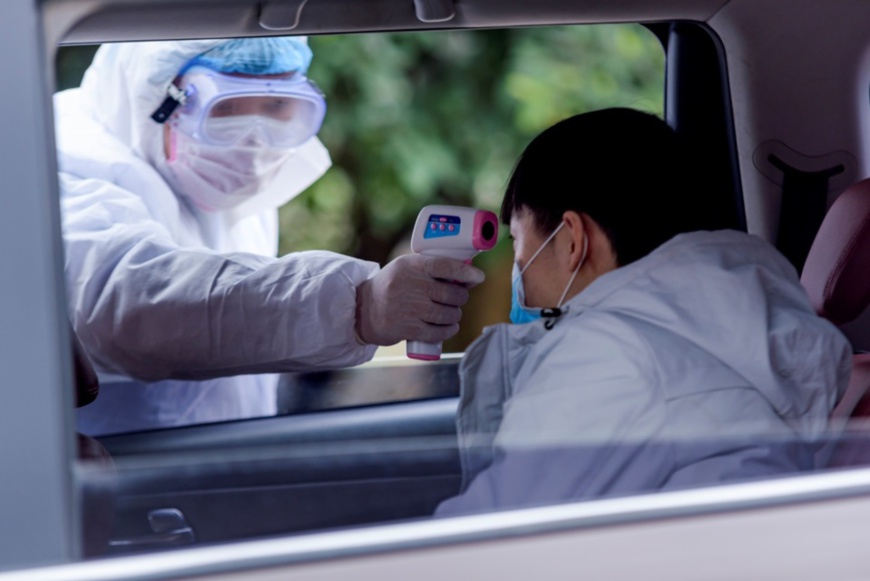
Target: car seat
836,276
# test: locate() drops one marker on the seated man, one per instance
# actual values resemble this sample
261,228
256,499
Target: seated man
647,353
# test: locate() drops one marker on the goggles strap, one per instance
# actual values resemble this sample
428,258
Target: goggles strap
174,98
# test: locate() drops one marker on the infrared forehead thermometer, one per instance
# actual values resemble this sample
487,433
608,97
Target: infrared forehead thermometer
450,232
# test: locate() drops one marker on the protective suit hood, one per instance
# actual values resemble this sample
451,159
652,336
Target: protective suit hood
127,82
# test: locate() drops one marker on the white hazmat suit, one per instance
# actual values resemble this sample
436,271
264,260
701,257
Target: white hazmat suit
178,307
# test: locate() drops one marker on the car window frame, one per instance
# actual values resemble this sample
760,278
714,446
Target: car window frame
36,420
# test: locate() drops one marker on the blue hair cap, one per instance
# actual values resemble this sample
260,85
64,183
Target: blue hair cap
257,56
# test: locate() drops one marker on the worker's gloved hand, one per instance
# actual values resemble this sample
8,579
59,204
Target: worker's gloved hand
415,298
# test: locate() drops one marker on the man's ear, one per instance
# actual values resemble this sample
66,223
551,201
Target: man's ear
576,228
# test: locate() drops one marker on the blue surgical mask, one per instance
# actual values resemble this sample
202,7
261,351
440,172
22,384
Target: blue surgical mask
520,313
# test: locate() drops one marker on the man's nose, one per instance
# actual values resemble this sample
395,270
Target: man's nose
254,136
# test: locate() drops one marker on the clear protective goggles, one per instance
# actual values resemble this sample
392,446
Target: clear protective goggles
229,110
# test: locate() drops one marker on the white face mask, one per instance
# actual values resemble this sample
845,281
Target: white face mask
218,178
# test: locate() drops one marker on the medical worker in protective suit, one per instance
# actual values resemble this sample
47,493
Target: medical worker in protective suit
646,353
174,157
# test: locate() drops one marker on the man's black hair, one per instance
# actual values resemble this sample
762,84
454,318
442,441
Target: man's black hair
627,170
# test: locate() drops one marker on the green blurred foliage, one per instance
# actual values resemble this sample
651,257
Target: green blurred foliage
441,117
70,65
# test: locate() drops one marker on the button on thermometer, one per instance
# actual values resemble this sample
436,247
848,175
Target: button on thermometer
452,232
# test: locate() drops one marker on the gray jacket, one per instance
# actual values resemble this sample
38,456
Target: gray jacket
701,363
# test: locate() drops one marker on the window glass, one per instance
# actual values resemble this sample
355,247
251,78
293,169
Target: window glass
416,119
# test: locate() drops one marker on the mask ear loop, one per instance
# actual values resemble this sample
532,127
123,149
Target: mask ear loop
553,314
532,259
541,248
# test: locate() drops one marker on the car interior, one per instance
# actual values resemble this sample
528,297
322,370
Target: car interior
777,125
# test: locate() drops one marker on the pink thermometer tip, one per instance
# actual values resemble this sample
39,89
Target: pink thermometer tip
485,230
